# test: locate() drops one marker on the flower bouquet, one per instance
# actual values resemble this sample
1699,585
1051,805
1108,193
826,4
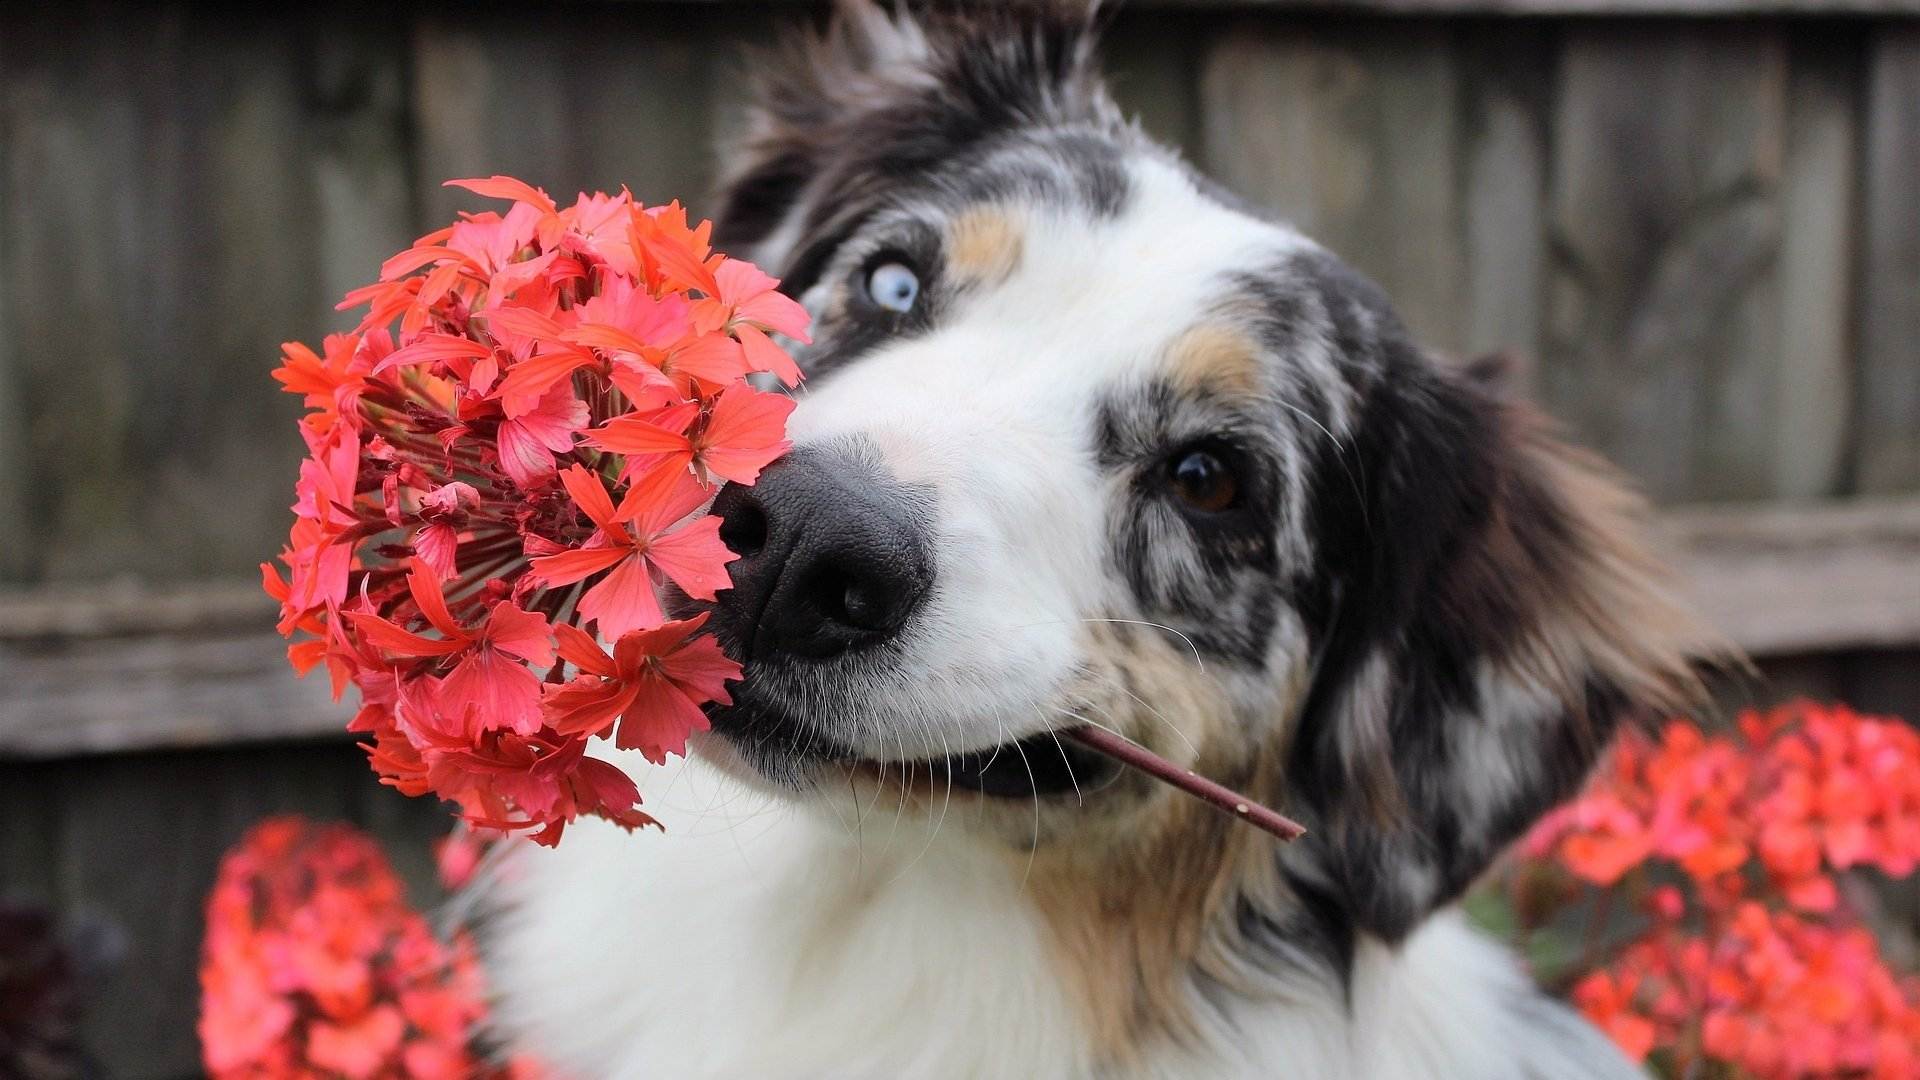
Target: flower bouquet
507,460
1745,947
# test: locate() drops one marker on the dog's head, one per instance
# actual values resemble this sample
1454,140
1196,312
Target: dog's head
1083,442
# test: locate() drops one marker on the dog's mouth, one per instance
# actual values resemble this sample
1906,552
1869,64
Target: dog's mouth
787,750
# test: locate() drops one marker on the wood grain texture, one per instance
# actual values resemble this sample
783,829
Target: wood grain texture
1507,76
1352,136
118,671
1814,395
1887,420
165,231
1663,340
1784,580
1152,62
158,691
604,97
15,531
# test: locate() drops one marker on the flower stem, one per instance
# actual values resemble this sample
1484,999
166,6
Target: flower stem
1220,797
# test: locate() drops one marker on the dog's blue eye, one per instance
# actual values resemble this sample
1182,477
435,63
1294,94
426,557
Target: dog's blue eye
893,286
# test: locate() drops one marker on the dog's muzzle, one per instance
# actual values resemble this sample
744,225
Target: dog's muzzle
834,559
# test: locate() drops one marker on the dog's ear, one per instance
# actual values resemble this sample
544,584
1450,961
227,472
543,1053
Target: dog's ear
1488,615
837,117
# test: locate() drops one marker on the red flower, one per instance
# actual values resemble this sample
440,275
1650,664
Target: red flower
315,965
535,431
655,682
633,542
1753,963
739,436
488,689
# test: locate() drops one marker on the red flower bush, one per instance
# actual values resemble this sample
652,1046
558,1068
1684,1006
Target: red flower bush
1747,955
315,966
518,442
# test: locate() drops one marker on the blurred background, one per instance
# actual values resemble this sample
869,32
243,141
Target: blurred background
1694,223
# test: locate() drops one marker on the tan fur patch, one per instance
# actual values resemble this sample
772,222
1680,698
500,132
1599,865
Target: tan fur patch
1213,356
1141,907
984,245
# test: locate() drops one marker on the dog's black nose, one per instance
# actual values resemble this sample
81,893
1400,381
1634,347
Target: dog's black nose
833,556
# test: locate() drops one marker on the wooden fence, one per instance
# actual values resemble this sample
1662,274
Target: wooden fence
1698,219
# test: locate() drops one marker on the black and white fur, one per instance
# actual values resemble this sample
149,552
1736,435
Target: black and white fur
1414,628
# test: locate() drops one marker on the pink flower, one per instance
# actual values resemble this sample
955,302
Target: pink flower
655,683
633,542
487,690
744,431
532,433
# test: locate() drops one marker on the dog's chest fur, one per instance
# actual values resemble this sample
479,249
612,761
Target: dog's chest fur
756,940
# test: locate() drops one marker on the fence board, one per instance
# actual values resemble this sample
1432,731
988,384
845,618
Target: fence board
1887,424
164,234
159,690
359,152
73,149
15,534
1507,73
1786,580
1810,415
570,104
120,672
1352,136
1663,310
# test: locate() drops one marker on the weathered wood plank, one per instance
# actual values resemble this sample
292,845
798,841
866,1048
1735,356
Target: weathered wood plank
1352,135
164,235
1152,64
1815,391
1887,421
358,152
15,533
1663,340
1507,75
158,691
1783,580
605,97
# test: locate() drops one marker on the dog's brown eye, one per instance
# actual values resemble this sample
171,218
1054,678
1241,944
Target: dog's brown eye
1203,481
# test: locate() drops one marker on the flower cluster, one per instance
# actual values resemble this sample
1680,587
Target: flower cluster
1746,953
315,966
517,443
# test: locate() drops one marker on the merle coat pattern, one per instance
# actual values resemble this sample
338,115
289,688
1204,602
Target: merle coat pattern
1411,617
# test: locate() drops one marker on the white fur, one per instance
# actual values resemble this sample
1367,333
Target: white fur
763,939
992,416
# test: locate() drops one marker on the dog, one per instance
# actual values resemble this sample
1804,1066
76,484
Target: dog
1086,441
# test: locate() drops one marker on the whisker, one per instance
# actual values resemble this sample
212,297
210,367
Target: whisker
935,833
1033,786
1068,762
1175,631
